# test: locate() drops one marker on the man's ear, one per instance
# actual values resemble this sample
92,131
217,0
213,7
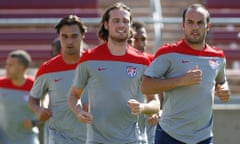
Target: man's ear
209,25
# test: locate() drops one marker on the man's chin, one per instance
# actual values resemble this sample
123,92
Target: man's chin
119,39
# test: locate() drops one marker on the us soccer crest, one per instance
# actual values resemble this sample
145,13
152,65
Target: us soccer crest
131,71
213,63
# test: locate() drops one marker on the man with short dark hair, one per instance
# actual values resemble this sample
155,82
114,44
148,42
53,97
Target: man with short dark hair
54,78
189,72
16,119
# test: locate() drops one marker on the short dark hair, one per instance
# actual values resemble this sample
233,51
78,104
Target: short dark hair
71,20
22,56
195,6
103,33
136,25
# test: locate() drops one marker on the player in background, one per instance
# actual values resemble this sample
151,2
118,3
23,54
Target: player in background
139,40
17,121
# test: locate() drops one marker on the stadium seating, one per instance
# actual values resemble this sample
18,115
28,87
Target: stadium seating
225,35
223,8
45,8
36,38
219,4
228,41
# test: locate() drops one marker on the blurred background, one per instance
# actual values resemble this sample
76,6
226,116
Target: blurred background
29,25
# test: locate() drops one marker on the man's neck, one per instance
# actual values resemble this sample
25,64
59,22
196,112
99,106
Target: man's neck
199,46
117,48
19,81
70,59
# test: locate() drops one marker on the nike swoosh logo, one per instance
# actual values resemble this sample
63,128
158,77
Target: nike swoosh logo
101,69
57,80
185,61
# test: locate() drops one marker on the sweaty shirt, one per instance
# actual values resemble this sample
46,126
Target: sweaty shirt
187,111
111,81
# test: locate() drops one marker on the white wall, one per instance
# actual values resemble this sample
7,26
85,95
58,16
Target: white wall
227,124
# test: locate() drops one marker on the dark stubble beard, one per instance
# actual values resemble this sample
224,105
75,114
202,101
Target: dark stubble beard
118,40
72,52
195,41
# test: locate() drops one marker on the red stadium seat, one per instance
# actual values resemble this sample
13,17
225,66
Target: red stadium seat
48,4
225,36
47,8
219,4
38,44
36,39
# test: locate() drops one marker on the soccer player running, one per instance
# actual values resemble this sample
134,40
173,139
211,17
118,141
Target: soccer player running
113,73
189,72
55,77
147,124
140,38
16,120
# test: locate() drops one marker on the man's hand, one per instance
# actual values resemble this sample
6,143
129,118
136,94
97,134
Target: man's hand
27,123
152,120
222,93
135,106
84,117
192,77
43,114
